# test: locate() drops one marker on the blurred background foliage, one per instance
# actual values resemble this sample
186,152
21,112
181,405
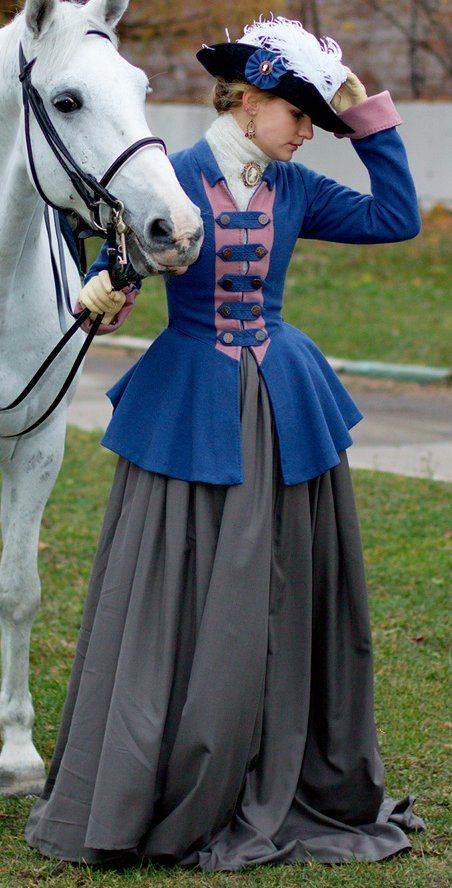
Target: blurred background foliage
401,45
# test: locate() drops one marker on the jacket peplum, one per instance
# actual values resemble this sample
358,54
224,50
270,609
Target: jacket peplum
177,409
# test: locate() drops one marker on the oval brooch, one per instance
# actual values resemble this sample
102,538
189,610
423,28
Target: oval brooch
252,174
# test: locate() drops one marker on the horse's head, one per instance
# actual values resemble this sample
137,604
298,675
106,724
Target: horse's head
95,100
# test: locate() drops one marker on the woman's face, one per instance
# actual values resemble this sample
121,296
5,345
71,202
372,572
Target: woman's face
281,128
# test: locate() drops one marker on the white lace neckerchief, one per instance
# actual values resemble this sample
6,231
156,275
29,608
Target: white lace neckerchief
232,150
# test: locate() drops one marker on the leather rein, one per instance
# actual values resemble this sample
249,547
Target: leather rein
94,194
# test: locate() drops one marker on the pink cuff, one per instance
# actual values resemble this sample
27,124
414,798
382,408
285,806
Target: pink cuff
370,116
130,293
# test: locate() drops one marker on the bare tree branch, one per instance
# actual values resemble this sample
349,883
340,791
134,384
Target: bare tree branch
134,30
444,60
441,29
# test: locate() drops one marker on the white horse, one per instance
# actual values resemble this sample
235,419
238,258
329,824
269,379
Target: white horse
95,100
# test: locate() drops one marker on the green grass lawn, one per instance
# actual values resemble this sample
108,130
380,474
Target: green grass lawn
386,302
406,539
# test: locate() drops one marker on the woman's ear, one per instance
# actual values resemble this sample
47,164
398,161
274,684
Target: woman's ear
250,102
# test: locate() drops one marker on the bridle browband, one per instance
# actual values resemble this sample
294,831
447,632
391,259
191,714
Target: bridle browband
94,194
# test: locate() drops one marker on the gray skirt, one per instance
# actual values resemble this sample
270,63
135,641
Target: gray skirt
220,708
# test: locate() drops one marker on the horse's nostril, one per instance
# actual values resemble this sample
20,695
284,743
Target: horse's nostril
160,230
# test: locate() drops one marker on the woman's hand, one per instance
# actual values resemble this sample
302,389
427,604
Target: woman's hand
352,92
98,295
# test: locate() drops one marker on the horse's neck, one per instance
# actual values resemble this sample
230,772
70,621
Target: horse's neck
21,215
21,209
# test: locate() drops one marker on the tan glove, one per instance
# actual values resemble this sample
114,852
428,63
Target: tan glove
99,296
352,92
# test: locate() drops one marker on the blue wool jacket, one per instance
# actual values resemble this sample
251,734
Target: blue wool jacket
177,410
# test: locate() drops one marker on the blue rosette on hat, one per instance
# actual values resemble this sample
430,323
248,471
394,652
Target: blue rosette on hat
263,69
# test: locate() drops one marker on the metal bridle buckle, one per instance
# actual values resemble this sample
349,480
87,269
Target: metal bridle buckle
95,211
121,228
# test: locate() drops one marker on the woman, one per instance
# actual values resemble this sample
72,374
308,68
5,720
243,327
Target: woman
220,711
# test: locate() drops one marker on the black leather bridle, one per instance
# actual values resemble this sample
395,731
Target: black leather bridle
94,194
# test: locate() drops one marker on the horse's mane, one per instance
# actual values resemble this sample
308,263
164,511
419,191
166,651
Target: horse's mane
56,47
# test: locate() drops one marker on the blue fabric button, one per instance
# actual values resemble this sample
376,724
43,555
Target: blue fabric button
240,283
243,337
242,220
240,311
242,252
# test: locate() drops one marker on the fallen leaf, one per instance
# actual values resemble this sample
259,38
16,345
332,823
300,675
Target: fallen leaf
42,546
416,639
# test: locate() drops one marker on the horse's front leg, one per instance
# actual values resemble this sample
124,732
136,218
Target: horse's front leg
28,478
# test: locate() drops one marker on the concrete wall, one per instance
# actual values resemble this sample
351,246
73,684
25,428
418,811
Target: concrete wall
426,131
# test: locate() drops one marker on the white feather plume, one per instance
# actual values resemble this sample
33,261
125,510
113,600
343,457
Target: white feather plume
317,61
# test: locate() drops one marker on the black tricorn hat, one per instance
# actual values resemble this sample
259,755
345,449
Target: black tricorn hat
263,68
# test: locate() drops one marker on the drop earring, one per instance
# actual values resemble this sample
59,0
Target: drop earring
250,130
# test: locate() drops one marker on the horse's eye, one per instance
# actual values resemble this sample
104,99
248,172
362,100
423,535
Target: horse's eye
67,103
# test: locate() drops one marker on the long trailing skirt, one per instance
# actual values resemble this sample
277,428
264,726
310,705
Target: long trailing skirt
220,709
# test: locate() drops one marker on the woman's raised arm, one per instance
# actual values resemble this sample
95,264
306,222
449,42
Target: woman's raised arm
390,213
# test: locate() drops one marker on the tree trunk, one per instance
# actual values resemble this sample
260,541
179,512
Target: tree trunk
416,77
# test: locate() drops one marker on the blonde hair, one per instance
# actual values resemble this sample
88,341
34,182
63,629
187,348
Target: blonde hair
228,96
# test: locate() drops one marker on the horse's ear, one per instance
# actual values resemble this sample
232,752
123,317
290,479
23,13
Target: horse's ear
38,15
109,11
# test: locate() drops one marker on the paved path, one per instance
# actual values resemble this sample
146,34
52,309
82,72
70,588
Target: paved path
407,427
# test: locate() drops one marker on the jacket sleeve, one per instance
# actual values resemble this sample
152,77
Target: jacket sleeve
100,263
130,292
390,213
